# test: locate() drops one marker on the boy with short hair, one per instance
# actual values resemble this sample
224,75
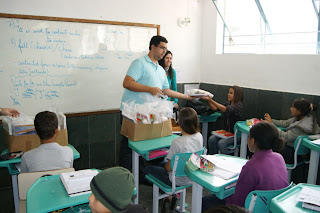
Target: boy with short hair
49,155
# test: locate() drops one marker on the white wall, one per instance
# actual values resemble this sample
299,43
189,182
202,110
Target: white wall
185,43
289,73
193,47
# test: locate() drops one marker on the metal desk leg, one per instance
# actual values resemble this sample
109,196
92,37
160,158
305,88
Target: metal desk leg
205,133
135,171
196,197
14,179
243,147
313,167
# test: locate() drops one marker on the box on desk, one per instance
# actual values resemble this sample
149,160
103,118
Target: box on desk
138,132
27,142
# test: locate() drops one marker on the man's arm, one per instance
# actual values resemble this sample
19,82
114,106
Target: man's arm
174,94
130,84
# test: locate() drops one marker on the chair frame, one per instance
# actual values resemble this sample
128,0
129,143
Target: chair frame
175,173
299,149
252,197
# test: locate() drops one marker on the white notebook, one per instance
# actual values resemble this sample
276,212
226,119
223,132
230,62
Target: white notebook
78,182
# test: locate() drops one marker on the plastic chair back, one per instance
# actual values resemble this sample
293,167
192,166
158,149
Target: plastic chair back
259,200
182,159
25,180
299,148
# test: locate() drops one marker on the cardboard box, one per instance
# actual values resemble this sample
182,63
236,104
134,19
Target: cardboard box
138,132
28,142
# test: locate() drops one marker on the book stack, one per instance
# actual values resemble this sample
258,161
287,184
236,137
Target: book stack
78,182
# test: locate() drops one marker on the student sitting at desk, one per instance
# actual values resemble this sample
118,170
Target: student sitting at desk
266,170
49,155
302,123
190,141
233,113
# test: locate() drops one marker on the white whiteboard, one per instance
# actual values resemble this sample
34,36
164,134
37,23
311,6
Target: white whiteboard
75,67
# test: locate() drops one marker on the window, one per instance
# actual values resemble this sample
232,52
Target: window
268,26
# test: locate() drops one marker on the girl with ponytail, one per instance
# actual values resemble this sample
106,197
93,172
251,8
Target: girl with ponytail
301,123
266,170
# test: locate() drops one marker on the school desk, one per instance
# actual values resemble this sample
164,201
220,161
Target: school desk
13,171
287,201
143,148
48,194
204,120
244,129
314,160
217,186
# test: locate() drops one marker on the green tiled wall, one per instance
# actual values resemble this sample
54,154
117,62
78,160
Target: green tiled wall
97,137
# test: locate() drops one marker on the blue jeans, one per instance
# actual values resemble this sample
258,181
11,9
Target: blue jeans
211,201
159,172
215,144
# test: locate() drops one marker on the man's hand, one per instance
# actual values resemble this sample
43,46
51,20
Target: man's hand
155,90
10,112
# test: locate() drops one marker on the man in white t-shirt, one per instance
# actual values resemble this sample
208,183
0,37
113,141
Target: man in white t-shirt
49,155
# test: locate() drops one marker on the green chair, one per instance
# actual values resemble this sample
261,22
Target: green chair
299,149
259,200
178,170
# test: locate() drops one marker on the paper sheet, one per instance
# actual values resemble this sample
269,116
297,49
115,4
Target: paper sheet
309,195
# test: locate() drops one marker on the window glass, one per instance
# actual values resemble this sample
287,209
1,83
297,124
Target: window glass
269,26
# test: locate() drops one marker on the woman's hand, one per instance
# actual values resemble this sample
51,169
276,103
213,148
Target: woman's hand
267,118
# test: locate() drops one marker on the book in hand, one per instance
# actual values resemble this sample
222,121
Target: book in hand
78,182
223,134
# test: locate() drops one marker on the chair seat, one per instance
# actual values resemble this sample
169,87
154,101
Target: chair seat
164,187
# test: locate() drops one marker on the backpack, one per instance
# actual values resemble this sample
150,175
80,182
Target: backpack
199,107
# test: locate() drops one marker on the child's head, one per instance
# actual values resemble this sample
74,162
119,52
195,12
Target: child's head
112,190
188,120
302,107
265,136
46,124
235,94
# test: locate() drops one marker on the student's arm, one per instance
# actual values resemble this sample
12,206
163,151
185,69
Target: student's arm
130,84
215,105
168,166
174,94
245,184
10,112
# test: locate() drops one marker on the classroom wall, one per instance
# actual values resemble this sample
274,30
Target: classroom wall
185,43
285,73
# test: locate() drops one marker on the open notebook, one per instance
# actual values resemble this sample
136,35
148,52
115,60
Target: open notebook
223,168
78,182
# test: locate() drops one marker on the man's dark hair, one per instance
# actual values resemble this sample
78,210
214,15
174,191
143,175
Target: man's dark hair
46,124
155,40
